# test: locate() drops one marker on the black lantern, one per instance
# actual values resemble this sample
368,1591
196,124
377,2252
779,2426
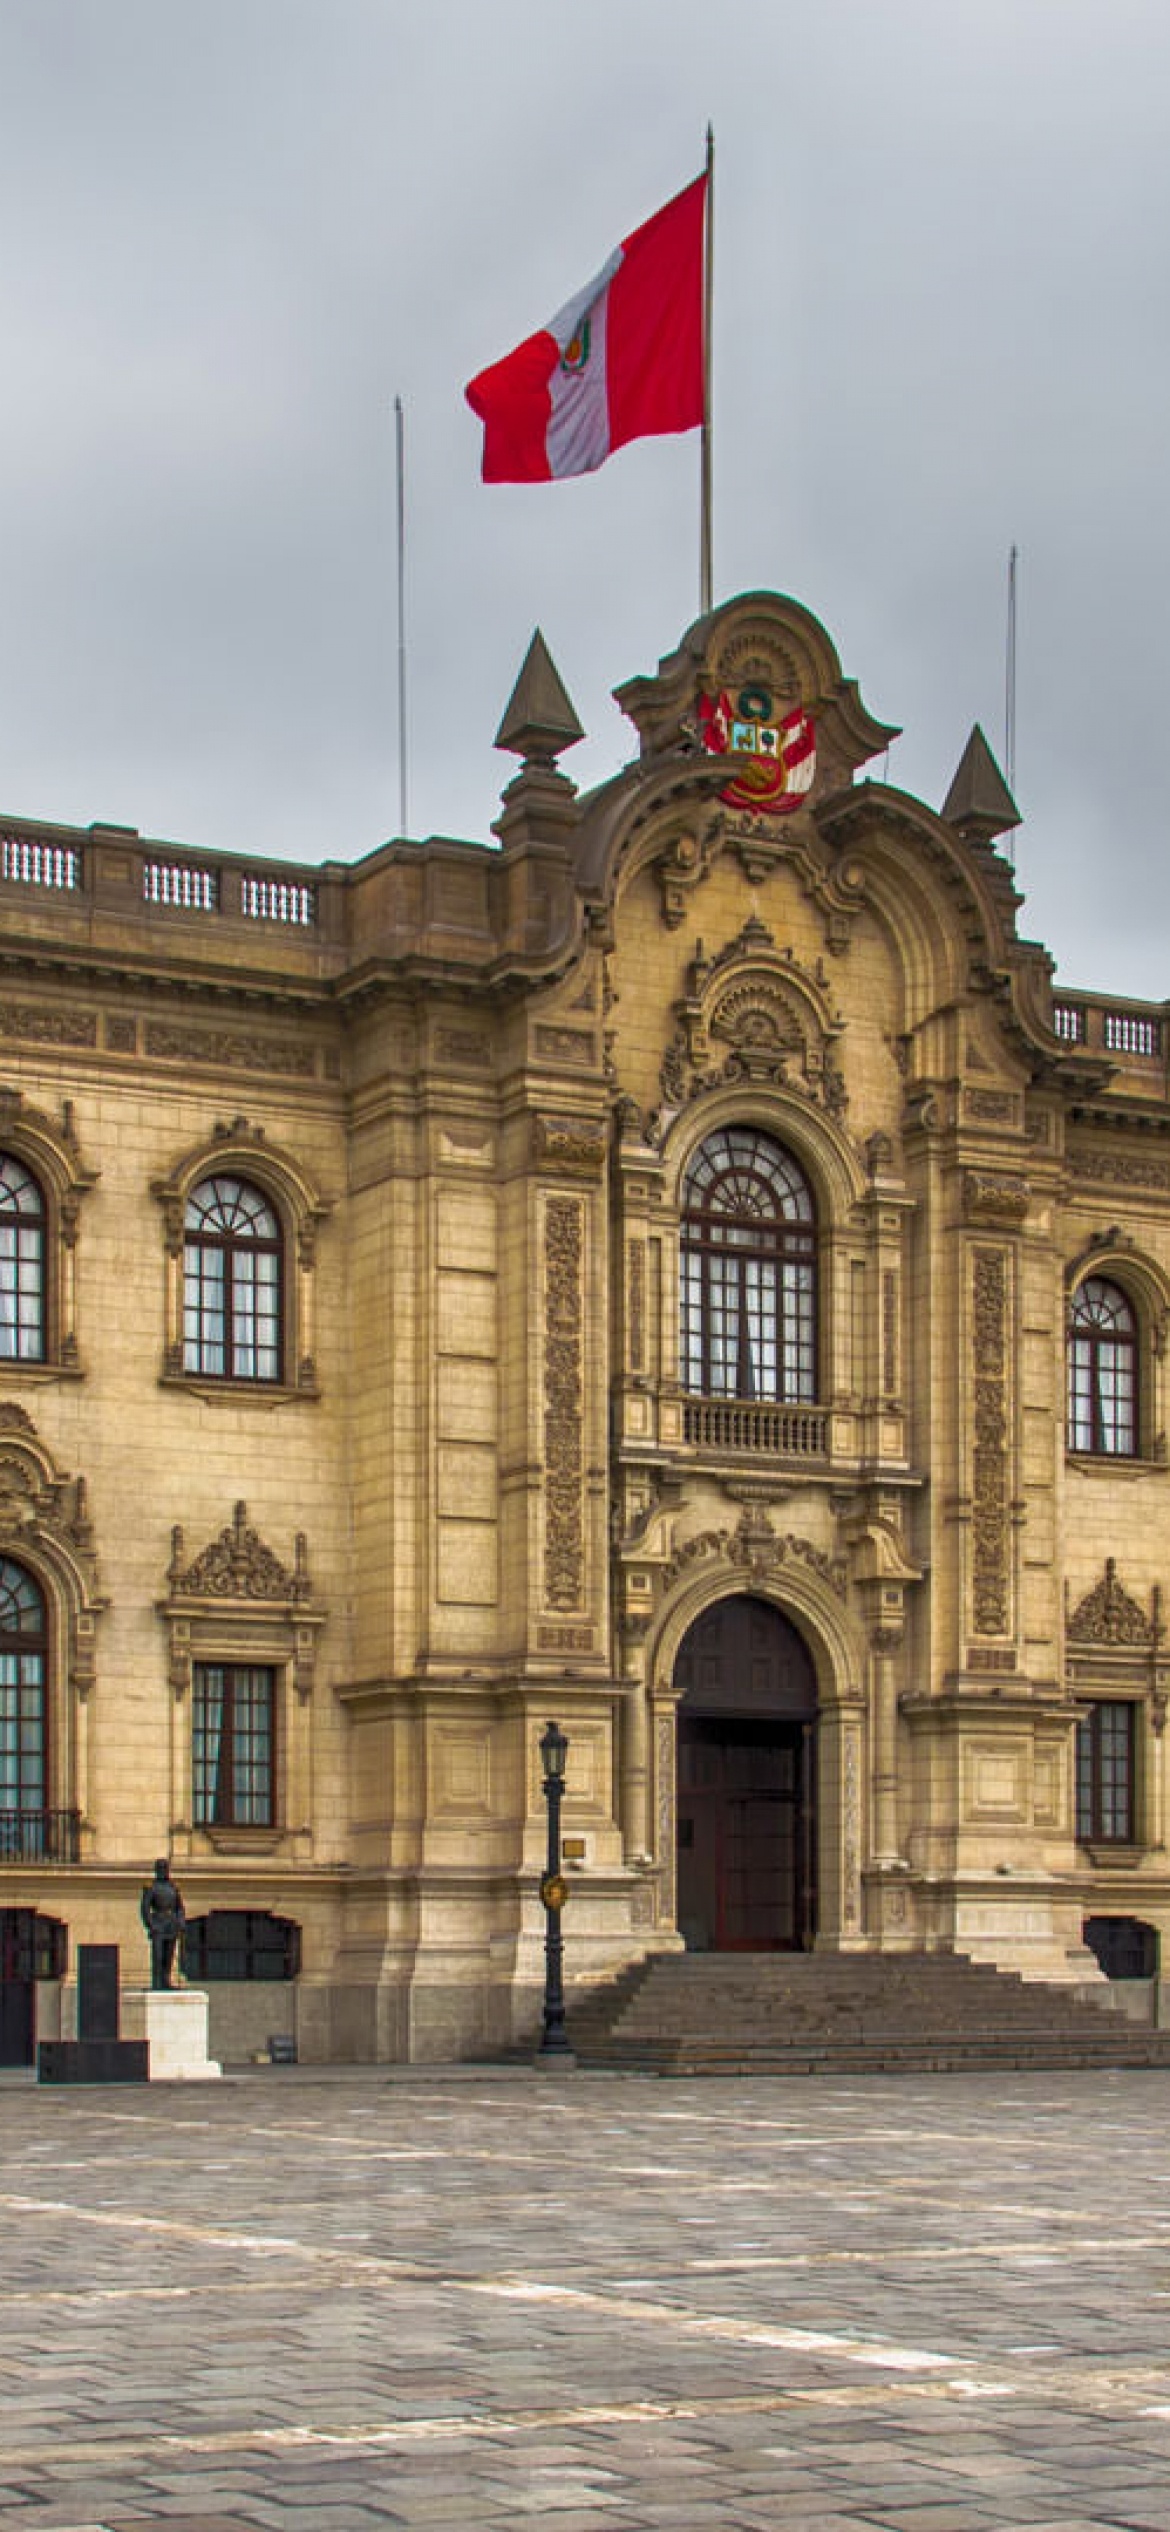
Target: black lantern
554,2039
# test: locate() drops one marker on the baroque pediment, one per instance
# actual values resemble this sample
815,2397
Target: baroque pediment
238,1565
1109,1616
754,1013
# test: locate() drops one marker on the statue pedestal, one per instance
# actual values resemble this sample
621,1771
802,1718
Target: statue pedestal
174,2021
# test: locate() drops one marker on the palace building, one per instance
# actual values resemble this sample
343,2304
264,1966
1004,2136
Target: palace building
677,1267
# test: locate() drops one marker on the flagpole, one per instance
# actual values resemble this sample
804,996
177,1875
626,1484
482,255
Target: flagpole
705,573
400,476
1009,716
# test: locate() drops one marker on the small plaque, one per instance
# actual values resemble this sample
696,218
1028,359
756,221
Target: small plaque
573,1850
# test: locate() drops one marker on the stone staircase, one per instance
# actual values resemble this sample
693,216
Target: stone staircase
785,2013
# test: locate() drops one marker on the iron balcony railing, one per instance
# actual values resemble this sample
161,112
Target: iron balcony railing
732,1424
40,1837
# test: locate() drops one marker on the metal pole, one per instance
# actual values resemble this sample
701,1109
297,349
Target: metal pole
706,599
399,446
1009,716
554,2039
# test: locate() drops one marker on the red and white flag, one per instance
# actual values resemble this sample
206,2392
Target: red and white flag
623,359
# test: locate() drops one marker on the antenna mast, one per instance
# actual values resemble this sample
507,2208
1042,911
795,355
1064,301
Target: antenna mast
1009,713
400,477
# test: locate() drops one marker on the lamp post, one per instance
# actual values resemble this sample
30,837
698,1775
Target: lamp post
554,2039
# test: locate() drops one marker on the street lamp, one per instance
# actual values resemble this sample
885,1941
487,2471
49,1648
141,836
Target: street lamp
554,2039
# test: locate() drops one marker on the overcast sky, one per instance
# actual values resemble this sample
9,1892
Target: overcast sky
232,231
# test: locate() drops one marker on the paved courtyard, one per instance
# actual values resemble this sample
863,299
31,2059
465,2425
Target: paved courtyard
343,2303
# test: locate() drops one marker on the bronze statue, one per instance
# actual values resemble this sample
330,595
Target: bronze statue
164,1918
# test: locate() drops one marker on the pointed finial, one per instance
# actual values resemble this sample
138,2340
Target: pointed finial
539,721
979,802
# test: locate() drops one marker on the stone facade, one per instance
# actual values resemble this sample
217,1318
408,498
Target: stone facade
468,1083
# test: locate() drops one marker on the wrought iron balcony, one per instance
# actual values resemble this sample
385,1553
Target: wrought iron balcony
40,1837
767,1431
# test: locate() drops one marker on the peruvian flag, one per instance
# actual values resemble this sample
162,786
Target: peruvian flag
623,359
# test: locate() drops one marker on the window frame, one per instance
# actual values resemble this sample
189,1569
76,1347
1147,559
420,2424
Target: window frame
1096,1720
242,1151
231,1675
35,1645
1106,1357
722,1322
38,1222
235,1248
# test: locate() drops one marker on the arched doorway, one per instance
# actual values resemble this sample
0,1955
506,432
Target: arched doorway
746,1781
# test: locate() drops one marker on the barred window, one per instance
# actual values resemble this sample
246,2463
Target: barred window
231,1282
23,1738
241,1943
1102,1371
233,1725
22,1264
748,1271
1106,1741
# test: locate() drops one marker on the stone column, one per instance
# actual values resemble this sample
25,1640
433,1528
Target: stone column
635,1769
886,1643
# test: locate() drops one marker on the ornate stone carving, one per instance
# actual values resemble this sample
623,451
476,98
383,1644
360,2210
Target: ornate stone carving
564,1537
565,1046
569,1147
890,1332
995,1195
469,1049
237,1582
989,1509
44,1516
758,1549
238,1566
1107,1615
850,1829
48,1027
667,1862
681,867
565,1639
1125,1169
636,1302
240,1050
767,1020
121,1033
991,1107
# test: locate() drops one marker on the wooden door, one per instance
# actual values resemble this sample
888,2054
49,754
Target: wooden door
746,1782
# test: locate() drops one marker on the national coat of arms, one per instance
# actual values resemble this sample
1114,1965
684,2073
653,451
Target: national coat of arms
776,757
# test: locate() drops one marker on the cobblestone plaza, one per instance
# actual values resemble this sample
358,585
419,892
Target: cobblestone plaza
335,2302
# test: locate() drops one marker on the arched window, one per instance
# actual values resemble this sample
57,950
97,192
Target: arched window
748,1270
231,1282
1102,1371
23,1738
22,1264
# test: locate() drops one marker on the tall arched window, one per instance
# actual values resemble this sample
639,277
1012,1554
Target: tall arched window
231,1282
23,1739
22,1264
1102,1370
748,1270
